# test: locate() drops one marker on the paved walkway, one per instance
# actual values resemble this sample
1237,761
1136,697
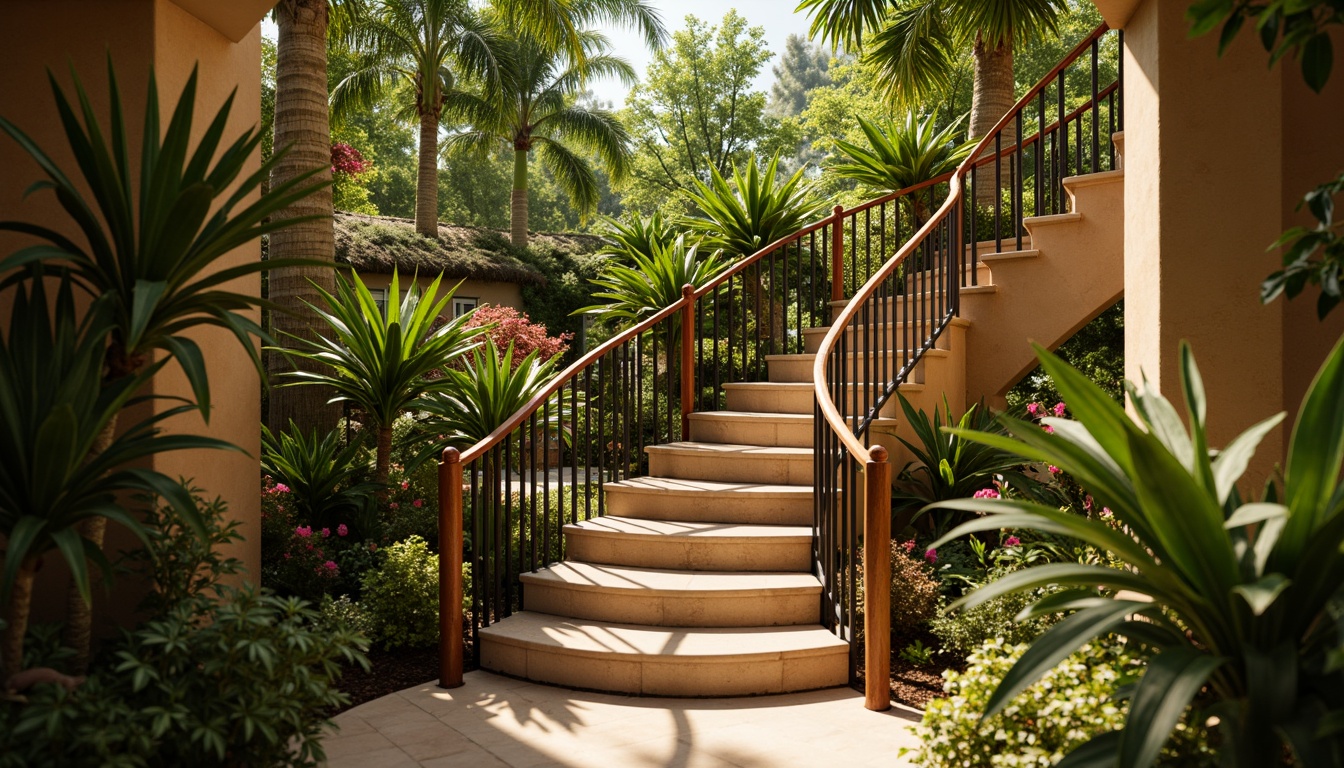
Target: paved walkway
495,721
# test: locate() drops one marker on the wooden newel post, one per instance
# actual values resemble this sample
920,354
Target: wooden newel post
877,580
838,254
451,649
688,342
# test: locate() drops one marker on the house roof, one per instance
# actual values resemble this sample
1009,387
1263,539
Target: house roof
379,243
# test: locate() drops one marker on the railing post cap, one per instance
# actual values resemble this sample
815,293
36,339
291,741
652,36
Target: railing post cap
878,453
687,290
451,455
839,209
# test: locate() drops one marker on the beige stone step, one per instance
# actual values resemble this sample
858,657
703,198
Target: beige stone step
730,462
794,368
896,303
696,546
792,429
660,661
887,334
708,501
1052,220
785,396
661,597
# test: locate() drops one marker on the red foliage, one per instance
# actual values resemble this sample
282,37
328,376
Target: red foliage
347,160
514,326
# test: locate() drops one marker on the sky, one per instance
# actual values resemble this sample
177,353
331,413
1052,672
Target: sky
775,16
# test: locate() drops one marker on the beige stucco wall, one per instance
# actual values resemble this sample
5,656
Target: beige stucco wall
484,291
1218,152
57,34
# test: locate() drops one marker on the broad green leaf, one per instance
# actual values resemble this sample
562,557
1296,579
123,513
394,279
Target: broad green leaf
1232,461
1261,594
1169,683
1250,514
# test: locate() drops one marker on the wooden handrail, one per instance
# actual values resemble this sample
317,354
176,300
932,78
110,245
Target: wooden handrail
822,389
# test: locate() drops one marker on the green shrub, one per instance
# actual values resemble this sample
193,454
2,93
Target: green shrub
336,613
401,597
961,632
327,480
1068,706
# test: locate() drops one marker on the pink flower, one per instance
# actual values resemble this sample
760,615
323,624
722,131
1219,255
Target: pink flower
281,488
303,531
341,530
1087,502
1011,541
394,505
1059,409
330,565
931,555
418,503
1049,430
286,555
1054,470
909,545
326,533
1033,409
405,484
987,493
1106,512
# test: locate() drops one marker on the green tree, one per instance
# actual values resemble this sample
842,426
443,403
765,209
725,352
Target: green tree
900,155
696,110
537,107
802,68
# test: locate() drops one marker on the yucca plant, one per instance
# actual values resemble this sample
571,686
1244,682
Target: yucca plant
652,282
382,363
151,235
55,407
637,234
949,466
901,155
327,479
1238,604
753,211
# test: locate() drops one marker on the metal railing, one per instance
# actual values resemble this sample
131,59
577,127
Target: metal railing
881,336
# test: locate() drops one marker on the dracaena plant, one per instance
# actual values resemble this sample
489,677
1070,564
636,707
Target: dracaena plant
55,406
651,282
383,362
327,480
901,155
1236,604
637,234
756,209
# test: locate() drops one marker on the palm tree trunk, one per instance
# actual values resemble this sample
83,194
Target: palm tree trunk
991,99
16,618
302,124
427,181
519,202
383,465
78,633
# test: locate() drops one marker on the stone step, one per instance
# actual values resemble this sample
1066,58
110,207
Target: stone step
784,396
896,304
888,334
672,598
784,429
695,546
796,368
708,501
665,661
730,462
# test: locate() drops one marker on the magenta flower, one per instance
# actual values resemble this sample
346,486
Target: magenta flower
1087,502
341,530
1033,409
1106,512
303,531
931,555
909,545
286,555
1049,430
418,503
1059,409
281,488
1054,470
405,484
987,493
1011,541
326,533
330,565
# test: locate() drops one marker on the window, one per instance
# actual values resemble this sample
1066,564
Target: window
463,305
380,298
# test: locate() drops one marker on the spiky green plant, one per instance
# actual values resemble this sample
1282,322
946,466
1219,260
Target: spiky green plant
636,234
652,282
901,155
1237,604
381,362
327,479
753,211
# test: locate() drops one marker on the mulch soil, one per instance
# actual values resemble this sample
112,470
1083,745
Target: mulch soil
915,685
392,671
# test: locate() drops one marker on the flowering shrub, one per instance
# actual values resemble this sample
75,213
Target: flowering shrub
914,591
411,507
401,597
347,160
512,326
1071,703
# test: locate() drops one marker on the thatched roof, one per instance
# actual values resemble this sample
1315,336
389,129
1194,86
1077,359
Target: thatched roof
379,243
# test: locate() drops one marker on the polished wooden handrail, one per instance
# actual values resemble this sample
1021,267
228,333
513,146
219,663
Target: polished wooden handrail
858,452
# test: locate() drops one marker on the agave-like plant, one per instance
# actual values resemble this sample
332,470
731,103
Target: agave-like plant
327,480
901,155
637,235
55,406
948,466
381,363
652,282
753,211
1238,604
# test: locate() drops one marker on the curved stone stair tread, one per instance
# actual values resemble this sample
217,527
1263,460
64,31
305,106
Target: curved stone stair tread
669,582
665,661
709,501
634,527
786,465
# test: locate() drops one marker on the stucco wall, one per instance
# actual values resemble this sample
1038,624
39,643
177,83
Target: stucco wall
484,291
138,34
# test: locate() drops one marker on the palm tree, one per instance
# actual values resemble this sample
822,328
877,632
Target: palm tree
901,155
536,107
437,47
916,42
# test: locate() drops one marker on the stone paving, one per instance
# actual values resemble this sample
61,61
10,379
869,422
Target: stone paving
495,721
